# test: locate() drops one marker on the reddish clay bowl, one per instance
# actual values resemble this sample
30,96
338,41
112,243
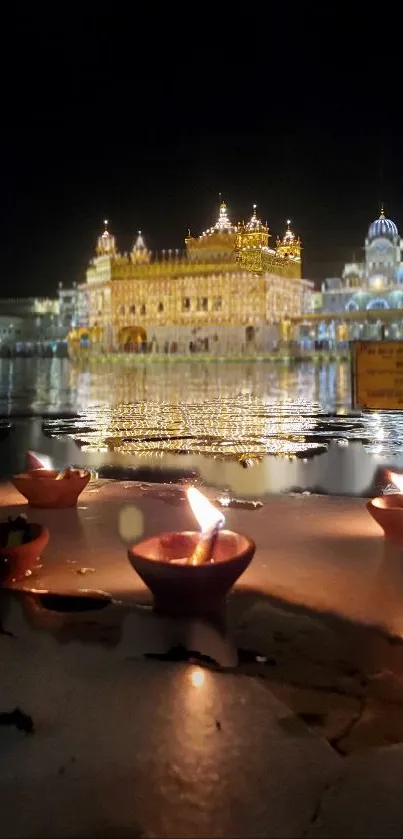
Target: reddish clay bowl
387,510
189,589
16,561
41,489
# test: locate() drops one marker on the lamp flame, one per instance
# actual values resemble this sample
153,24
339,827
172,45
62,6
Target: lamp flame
397,479
206,515
210,521
39,461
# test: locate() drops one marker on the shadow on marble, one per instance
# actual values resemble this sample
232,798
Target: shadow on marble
339,678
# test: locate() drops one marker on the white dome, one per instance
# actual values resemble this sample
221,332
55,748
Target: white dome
382,228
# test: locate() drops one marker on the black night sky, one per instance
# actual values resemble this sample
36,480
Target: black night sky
143,116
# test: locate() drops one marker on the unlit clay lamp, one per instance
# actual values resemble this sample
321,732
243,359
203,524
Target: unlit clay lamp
190,572
50,488
21,545
387,510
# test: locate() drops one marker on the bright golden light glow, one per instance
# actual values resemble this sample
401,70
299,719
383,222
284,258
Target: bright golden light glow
131,523
45,461
213,284
397,480
206,515
197,678
166,418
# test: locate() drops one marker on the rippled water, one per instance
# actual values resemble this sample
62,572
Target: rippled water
233,413
232,410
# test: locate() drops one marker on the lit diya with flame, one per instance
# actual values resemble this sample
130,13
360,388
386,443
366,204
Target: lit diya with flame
46,487
387,510
191,572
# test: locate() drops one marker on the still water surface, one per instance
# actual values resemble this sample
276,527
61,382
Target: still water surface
251,428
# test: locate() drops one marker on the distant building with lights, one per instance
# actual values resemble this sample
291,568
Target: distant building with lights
31,325
366,302
68,306
226,294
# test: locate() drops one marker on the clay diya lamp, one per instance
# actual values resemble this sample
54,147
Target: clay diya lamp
191,572
387,510
50,488
21,546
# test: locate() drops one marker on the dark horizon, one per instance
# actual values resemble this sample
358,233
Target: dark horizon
148,136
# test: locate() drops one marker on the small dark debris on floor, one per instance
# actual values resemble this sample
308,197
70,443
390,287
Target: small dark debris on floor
239,504
21,721
5,632
180,653
71,603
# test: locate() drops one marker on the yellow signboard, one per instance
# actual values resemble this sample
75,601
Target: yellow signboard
377,375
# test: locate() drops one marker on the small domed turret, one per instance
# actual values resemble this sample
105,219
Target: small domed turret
223,224
140,254
289,245
253,234
106,243
382,228
254,222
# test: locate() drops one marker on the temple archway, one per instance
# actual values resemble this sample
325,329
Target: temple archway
250,334
378,303
132,339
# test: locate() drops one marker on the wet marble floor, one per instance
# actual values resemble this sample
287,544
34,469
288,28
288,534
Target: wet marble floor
275,721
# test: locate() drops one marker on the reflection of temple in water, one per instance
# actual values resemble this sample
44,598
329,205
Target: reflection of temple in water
239,410
184,383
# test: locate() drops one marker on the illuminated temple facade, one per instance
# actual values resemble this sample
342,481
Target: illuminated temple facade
366,302
228,293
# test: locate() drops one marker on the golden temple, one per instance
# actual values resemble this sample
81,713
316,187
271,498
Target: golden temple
227,294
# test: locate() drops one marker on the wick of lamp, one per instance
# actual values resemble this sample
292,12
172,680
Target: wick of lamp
203,551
